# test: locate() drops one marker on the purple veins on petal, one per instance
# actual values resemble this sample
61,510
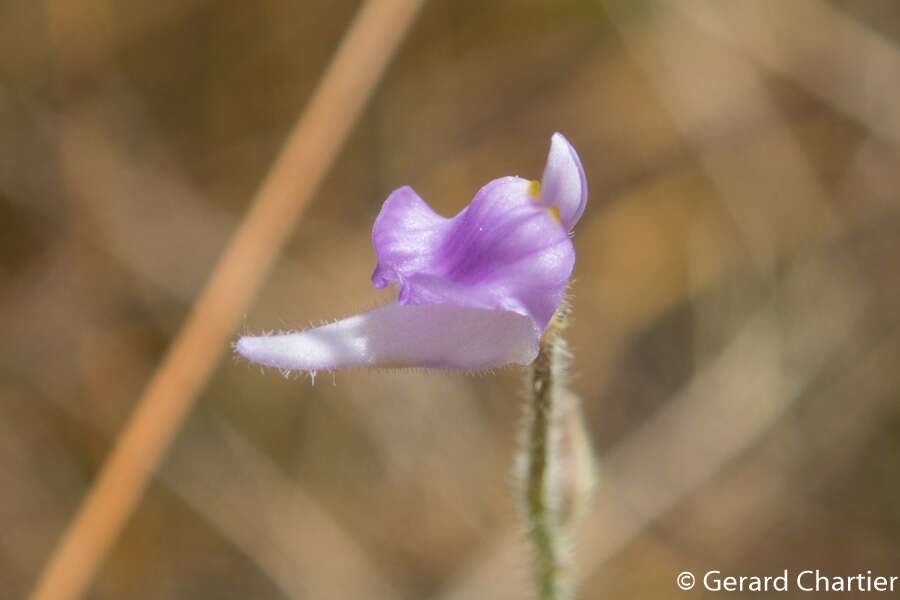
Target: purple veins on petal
476,291
504,252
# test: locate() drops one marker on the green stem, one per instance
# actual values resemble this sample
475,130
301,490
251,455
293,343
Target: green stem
544,528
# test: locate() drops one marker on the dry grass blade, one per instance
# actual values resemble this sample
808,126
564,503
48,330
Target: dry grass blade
754,188
824,59
271,518
291,181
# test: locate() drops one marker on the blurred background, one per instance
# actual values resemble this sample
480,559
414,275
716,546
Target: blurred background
735,297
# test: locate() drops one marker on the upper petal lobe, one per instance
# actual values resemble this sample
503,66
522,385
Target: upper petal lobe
563,184
505,251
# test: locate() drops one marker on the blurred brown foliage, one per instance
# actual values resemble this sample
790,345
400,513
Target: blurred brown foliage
736,299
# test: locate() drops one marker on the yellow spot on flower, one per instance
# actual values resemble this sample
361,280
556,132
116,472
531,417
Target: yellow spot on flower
554,210
534,190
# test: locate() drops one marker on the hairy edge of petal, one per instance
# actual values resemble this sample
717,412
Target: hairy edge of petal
395,335
564,184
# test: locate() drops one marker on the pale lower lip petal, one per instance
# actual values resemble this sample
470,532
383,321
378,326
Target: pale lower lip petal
396,335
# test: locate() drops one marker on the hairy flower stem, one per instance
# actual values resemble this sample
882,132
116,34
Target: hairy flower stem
548,525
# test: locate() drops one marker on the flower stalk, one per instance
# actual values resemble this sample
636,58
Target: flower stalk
555,465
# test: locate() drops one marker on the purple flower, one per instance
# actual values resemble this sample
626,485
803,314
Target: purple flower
475,291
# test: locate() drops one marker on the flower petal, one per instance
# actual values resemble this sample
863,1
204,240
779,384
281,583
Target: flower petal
564,184
505,251
476,291
397,335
